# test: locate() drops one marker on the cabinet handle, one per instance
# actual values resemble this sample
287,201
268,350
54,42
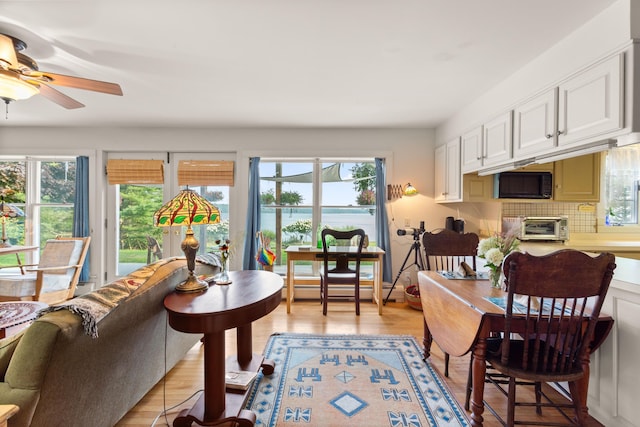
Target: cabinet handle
444,194
478,158
549,136
560,132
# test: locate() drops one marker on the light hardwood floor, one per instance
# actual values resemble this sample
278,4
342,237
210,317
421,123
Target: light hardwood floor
306,317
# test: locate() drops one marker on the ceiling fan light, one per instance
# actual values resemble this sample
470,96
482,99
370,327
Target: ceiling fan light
14,89
7,51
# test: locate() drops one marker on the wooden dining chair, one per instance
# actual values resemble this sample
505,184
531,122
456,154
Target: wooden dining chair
446,250
552,306
342,268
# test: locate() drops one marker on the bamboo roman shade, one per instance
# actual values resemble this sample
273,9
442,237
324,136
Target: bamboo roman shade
205,172
128,171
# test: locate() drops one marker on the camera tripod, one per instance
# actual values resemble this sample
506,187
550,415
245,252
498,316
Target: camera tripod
417,260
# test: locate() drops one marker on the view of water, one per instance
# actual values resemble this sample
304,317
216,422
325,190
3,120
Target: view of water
334,218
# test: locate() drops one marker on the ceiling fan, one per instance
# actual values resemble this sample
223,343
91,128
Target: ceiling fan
21,79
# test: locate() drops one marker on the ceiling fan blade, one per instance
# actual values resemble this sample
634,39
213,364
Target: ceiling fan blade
59,98
81,83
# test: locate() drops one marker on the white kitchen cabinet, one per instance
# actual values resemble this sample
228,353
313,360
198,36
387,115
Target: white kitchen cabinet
535,125
590,104
448,177
615,372
471,150
498,140
488,145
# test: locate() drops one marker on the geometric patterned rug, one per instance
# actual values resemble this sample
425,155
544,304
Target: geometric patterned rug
351,380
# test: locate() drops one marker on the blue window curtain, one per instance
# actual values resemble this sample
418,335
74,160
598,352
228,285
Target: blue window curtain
81,208
382,224
253,216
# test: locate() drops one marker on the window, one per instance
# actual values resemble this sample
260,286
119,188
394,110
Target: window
44,189
622,177
300,198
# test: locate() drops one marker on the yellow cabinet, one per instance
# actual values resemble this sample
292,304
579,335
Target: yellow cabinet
577,179
477,188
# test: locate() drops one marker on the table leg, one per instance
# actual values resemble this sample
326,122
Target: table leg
214,372
378,284
579,391
289,282
427,339
244,345
479,369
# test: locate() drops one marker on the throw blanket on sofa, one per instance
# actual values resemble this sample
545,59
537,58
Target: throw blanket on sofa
95,305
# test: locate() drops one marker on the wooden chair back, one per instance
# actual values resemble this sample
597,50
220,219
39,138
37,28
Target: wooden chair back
60,256
341,269
552,307
446,249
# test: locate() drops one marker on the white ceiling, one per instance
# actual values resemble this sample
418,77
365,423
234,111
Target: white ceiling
317,63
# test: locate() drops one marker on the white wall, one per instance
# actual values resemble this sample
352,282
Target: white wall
409,153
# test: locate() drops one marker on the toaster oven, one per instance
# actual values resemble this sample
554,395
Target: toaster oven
546,228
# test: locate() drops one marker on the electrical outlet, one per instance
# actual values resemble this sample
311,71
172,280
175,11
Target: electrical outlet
407,222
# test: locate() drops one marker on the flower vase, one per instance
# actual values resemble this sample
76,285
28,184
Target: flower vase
223,277
495,277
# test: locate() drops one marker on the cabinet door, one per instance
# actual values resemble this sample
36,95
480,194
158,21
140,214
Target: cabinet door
453,171
590,104
440,177
577,179
535,125
447,172
477,188
498,140
471,156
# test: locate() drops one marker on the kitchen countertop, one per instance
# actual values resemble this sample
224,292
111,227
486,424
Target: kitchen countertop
627,273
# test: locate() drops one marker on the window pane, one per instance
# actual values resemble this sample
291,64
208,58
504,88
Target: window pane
58,182
55,221
135,220
621,184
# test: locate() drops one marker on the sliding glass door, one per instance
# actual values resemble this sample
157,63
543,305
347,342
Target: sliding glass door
132,239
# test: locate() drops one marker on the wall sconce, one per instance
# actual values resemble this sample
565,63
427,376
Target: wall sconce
397,191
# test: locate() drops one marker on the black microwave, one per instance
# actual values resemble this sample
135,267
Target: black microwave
523,185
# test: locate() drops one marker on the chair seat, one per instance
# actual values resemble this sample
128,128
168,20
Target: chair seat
542,373
56,276
19,285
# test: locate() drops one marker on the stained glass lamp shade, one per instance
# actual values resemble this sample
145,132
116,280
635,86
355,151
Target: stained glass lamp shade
8,211
186,209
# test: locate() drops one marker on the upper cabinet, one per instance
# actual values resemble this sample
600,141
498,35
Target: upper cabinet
579,111
472,151
535,125
590,104
489,144
447,172
498,140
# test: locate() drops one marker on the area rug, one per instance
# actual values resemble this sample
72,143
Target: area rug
351,380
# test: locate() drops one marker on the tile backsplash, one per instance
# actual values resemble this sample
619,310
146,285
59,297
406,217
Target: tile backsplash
579,221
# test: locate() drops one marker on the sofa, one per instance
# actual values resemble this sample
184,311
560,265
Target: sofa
88,361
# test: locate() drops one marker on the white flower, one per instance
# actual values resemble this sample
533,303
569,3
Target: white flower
494,256
485,245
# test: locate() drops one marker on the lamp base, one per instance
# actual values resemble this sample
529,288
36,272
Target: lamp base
192,284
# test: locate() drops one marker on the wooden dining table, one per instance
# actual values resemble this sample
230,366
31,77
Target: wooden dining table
459,318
